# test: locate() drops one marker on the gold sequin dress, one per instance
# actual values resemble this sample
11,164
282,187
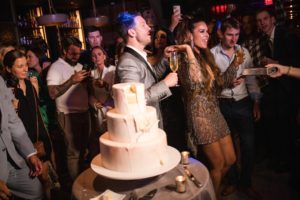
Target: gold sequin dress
206,123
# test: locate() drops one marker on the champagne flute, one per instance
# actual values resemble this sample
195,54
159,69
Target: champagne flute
174,63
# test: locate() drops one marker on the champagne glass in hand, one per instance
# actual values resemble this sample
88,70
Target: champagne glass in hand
174,61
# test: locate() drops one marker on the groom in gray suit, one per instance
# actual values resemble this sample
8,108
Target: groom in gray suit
16,178
133,65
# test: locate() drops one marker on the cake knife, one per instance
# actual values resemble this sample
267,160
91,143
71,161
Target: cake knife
192,177
149,195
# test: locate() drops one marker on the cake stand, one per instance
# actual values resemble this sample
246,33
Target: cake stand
173,160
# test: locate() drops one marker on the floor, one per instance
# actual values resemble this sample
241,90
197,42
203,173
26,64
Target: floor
270,185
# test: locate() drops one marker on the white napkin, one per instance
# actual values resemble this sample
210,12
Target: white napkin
109,195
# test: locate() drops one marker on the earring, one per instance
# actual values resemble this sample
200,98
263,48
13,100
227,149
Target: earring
192,44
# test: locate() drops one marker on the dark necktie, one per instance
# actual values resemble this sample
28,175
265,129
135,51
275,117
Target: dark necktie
270,44
266,46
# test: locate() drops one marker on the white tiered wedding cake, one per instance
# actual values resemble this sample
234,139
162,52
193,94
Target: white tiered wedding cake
134,146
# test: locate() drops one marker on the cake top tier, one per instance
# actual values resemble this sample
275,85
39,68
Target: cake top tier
129,98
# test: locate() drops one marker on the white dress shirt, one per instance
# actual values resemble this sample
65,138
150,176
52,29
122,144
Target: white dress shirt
249,85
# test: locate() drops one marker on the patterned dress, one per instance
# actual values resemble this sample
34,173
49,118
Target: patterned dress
205,122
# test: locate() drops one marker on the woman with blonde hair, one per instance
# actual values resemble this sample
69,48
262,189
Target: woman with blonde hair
202,81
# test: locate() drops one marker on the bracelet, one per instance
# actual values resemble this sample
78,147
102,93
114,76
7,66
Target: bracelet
289,69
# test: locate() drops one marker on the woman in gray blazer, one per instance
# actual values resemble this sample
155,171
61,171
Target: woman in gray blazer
19,164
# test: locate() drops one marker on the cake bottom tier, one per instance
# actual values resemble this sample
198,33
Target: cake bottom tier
134,157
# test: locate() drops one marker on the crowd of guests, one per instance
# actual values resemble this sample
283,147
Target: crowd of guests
216,112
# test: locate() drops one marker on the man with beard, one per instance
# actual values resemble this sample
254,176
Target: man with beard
236,106
134,67
66,85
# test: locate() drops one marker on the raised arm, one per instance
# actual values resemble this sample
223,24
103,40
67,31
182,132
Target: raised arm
58,90
284,70
229,75
129,71
231,72
194,71
175,19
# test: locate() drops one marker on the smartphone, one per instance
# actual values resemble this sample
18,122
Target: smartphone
176,9
30,74
271,70
85,67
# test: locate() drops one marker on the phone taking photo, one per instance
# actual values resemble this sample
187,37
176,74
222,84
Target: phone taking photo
30,74
85,67
271,70
176,9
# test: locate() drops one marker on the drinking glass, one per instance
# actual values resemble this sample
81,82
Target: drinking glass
174,61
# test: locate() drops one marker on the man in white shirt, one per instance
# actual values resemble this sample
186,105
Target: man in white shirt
236,106
66,85
133,65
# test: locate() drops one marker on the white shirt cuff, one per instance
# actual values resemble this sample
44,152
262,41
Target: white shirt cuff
34,153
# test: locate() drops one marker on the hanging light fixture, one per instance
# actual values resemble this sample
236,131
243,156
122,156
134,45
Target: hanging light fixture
95,21
52,19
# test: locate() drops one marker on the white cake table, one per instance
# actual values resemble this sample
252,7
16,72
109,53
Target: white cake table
89,184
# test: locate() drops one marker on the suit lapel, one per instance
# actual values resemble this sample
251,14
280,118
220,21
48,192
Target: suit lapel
138,56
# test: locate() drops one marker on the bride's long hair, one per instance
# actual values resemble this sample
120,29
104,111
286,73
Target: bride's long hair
208,66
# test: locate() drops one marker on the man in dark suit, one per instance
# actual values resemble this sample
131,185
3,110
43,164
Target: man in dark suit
134,67
19,164
281,96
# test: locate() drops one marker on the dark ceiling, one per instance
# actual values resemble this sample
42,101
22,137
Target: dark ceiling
88,3
65,3
188,5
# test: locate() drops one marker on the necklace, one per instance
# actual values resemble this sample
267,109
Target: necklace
102,83
99,73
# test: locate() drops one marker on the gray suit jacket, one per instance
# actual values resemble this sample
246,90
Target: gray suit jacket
132,69
13,136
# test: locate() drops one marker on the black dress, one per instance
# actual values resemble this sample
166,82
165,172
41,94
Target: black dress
28,112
